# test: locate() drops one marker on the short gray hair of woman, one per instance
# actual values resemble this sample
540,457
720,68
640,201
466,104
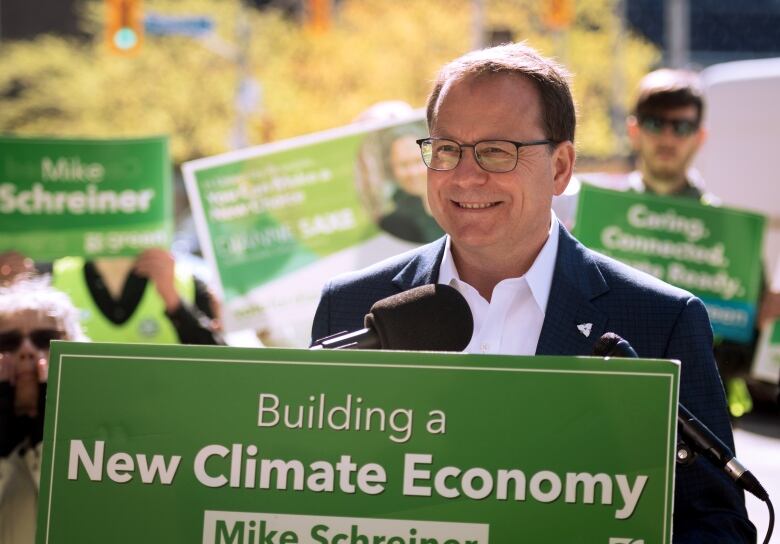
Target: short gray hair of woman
36,294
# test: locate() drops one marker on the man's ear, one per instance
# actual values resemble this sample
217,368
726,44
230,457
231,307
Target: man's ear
632,129
701,137
563,166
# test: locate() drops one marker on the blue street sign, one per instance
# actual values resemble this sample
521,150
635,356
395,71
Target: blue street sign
187,25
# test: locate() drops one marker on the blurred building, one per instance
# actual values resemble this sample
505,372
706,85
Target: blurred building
719,30
24,19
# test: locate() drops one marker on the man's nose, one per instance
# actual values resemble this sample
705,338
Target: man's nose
468,170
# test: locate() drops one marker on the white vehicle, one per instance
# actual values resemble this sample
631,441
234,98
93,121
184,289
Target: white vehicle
739,159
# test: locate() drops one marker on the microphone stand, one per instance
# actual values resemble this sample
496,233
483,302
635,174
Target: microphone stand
695,437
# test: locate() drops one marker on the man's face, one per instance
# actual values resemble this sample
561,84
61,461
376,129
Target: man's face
664,154
505,213
408,167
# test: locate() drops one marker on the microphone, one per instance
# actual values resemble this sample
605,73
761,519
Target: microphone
693,432
432,317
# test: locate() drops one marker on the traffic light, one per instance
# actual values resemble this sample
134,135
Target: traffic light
319,12
559,14
124,26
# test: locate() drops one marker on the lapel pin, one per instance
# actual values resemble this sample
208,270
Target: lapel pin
585,328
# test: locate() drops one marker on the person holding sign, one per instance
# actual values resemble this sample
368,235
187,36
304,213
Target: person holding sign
502,126
32,314
149,299
666,131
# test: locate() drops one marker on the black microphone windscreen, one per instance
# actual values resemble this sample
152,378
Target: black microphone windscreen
605,345
433,317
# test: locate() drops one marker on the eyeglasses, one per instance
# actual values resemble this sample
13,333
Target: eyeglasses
681,127
496,156
11,341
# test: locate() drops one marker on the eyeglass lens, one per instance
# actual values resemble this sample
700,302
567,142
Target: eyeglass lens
681,127
494,155
41,339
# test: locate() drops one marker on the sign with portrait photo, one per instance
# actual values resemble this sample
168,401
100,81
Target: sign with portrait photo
275,221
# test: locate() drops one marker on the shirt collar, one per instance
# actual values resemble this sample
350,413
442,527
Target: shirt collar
539,276
692,189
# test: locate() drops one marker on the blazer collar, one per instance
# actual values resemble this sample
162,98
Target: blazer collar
572,324
423,268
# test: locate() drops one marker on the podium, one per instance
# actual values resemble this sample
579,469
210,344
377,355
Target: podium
148,443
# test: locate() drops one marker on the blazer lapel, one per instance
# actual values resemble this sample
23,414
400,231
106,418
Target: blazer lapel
572,324
576,281
423,268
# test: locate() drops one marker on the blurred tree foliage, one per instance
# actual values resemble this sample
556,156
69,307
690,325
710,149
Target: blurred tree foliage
374,50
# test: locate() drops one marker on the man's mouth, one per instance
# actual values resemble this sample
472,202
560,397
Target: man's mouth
475,205
666,152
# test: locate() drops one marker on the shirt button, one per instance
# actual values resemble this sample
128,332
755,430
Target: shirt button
484,347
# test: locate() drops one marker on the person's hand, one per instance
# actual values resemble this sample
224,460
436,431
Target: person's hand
769,309
158,265
13,264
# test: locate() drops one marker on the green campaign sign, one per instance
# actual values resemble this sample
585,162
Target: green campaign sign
712,251
89,198
766,364
220,445
276,220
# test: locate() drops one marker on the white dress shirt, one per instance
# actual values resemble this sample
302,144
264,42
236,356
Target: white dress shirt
512,321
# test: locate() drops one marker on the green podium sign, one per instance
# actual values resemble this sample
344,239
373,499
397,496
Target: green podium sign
223,445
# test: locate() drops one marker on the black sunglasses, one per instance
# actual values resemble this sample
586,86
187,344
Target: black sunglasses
681,127
41,338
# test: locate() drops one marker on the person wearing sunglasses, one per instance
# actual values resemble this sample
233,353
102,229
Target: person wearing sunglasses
666,130
501,127
32,314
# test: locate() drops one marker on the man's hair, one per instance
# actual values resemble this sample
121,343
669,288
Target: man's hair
550,78
37,295
667,89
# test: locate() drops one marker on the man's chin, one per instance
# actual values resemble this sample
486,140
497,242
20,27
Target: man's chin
671,173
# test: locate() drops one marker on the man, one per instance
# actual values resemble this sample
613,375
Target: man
666,131
502,130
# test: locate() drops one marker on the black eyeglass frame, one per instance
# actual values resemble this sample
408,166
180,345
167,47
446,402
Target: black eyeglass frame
11,341
517,145
655,124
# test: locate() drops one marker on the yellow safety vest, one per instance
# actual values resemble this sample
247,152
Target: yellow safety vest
147,325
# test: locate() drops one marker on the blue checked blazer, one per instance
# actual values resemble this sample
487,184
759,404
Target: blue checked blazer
660,321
